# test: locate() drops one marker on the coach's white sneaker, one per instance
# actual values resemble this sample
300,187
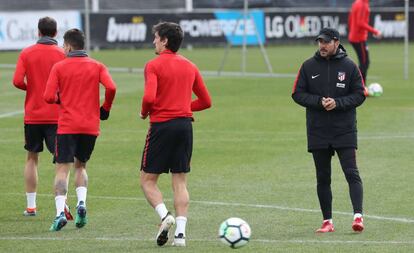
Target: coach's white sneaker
167,222
179,240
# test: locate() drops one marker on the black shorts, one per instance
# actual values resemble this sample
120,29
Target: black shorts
168,147
69,146
35,134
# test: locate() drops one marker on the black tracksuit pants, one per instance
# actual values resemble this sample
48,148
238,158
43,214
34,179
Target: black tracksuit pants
361,49
347,158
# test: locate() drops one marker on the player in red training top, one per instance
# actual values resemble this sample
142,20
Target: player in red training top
170,80
74,84
40,118
358,26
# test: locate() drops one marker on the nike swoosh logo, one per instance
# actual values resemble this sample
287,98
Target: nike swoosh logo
313,77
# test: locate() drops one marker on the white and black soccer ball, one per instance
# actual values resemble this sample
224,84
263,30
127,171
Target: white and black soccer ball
375,90
235,232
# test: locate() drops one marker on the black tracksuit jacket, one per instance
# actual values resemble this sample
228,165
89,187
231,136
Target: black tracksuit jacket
337,77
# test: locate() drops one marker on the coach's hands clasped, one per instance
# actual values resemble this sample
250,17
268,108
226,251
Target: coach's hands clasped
328,103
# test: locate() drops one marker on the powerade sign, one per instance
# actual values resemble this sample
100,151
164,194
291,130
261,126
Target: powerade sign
235,26
135,30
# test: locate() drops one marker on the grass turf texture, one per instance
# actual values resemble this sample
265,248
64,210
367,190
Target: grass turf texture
249,161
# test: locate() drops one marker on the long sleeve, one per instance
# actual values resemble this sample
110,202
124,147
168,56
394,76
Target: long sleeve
19,74
110,87
350,21
150,89
363,19
52,85
203,100
300,92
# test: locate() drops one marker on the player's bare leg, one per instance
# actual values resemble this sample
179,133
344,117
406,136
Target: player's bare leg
81,183
181,202
150,188
154,197
61,179
68,214
31,179
61,189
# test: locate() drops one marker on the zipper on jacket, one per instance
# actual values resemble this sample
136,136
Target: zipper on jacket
329,78
329,91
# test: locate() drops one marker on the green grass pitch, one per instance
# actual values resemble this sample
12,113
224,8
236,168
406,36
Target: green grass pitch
249,161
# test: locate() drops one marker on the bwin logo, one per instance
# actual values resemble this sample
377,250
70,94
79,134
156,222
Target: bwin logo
125,32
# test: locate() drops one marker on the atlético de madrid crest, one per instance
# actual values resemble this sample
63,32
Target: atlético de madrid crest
341,76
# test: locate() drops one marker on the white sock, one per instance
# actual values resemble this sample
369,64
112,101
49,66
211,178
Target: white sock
31,199
60,204
181,222
161,209
357,215
81,193
330,221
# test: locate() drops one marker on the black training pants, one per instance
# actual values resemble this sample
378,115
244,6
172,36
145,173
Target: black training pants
361,49
347,158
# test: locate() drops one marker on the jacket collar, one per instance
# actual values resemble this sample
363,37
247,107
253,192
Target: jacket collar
167,51
77,53
46,40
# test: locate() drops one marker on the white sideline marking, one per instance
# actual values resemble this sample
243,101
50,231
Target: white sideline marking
332,242
211,73
10,93
218,203
11,114
122,239
404,220
384,137
203,72
7,66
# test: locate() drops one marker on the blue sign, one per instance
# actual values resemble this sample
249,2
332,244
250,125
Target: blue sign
233,25
1,32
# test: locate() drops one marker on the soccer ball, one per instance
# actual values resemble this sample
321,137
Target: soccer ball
375,90
235,232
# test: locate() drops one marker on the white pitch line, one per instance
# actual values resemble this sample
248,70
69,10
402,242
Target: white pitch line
203,72
15,238
10,114
333,242
384,137
376,217
124,239
218,203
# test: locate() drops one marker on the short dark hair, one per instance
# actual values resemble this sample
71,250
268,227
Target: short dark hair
75,38
47,26
172,32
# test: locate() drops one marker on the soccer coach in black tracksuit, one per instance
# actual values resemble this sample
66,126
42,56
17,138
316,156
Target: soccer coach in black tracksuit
330,86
